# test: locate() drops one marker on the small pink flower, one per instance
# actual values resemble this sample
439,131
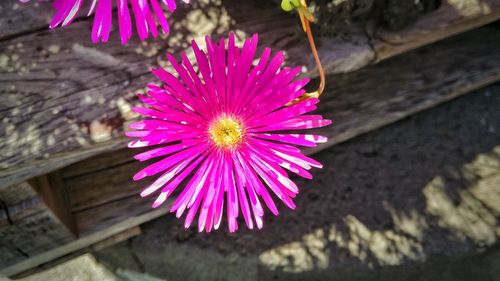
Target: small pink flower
226,134
144,11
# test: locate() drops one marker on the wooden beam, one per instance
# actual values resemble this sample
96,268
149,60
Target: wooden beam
120,237
18,18
115,239
447,21
88,90
100,217
28,226
83,242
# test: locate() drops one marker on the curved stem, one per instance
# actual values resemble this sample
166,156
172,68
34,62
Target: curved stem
306,18
321,72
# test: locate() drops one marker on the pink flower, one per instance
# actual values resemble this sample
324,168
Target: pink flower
144,11
226,134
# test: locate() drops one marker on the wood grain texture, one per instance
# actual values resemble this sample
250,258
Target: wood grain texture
453,17
16,193
28,226
64,99
115,239
18,18
110,184
82,243
101,217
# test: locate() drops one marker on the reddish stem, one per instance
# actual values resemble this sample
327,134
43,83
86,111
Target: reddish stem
316,57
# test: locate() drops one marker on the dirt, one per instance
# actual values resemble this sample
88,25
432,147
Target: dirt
343,17
418,198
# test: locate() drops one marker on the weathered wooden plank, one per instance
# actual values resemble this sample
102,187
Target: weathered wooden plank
110,159
11,254
453,17
115,239
107,242
31,236
28,226
83,242
18,19
75,96
58,160
98,218
16,194
113,184
20,201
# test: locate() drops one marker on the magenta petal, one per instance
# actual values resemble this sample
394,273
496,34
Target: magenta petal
266,173
124,21
196,187
232,200
286,138
102,21
245,208
66,11
160,166
170,4
162,151
170,187
260,188
192,211
147,14
215,182
286,113
245,183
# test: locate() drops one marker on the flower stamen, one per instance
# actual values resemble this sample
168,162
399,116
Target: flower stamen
226,132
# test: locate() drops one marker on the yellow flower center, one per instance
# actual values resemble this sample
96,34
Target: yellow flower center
226,132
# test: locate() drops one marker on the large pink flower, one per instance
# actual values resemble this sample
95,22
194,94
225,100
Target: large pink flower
226,135
144,11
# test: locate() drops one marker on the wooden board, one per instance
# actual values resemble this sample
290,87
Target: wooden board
114,239
81,243
28,226
64,100
101,217
18,19
452,18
